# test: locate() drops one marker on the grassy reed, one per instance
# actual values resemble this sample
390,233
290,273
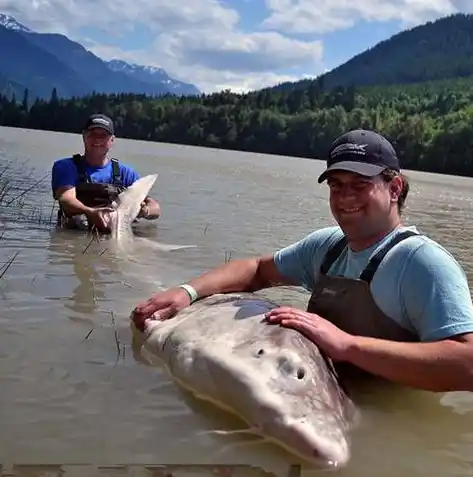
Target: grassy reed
20,187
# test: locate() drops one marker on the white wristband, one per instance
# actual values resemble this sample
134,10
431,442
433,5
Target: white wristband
191,291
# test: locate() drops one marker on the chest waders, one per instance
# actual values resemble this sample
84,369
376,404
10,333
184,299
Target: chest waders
349,304
91,194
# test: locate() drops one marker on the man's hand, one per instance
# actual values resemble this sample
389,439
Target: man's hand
144,211
150,209
331,339
100,217
161,306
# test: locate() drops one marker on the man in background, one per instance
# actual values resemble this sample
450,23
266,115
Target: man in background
86,185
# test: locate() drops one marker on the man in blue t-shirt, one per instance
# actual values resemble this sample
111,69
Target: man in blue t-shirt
87,185
384,297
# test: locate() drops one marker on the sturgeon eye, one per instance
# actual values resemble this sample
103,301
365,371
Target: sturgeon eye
260,352
300,373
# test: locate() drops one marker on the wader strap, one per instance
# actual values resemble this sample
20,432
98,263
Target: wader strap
83,177
116,172
81,170
368,273
332,255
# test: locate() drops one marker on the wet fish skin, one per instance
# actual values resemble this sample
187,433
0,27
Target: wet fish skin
222,350
126,209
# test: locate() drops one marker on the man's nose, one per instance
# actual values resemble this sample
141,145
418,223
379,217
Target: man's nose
347,193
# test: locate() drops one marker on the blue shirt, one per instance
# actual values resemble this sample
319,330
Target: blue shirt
65,173
418,284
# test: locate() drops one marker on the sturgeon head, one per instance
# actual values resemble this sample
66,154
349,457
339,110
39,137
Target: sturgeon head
274,378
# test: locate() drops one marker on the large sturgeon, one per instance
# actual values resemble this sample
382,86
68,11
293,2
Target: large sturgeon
223,351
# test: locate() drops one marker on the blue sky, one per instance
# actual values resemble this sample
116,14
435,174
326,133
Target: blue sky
236,44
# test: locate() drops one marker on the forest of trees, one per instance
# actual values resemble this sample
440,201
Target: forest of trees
430,124
432,51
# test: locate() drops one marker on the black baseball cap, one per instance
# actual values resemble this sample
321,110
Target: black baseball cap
100,121
363,152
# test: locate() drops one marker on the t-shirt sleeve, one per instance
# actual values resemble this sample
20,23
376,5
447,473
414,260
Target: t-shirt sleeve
435,294
64,173
300,262
129,175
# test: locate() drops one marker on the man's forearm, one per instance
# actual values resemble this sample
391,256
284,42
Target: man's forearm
234,276
74,206
438,366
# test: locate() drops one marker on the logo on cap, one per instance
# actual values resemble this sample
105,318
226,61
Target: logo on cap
349,148
104,122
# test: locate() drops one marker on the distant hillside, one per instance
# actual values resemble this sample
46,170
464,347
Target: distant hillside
10,88
43,61
436,50
27,64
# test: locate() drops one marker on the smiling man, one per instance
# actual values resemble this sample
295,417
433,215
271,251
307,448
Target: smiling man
385,298
86,185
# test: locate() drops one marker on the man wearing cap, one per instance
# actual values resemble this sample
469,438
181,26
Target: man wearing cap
86,186
384,298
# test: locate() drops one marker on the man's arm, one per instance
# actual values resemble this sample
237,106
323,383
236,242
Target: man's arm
63,180
441,366
289,266
435,295
66,196
248,275
293,265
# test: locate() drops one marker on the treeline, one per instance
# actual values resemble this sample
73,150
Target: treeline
431,124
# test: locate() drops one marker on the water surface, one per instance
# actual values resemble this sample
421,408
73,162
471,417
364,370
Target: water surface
72,395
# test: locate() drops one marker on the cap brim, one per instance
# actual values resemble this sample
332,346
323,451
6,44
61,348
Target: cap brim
99,126
368,170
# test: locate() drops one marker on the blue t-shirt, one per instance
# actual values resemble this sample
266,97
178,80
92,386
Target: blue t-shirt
65,173
418,284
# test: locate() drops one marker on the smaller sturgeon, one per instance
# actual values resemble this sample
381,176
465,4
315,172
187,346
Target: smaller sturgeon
127,207
223,351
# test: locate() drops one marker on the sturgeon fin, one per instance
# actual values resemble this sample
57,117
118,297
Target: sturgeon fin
128,204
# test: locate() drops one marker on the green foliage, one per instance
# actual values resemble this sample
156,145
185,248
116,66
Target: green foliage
433,51
430,124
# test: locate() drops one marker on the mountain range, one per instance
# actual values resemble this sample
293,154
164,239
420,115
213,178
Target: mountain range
437,50
43,61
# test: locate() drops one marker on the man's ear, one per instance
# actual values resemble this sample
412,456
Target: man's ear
395,188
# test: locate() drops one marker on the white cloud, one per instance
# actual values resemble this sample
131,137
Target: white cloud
205,77
197,42
200,42
308,16
116,15
240,52
235,60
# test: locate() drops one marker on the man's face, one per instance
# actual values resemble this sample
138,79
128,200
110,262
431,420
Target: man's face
97,141
362,206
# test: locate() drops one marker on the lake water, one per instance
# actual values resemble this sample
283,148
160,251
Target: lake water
73,394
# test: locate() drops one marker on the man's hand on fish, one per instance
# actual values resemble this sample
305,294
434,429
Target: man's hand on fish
144,211
324,334
100,217
161,306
